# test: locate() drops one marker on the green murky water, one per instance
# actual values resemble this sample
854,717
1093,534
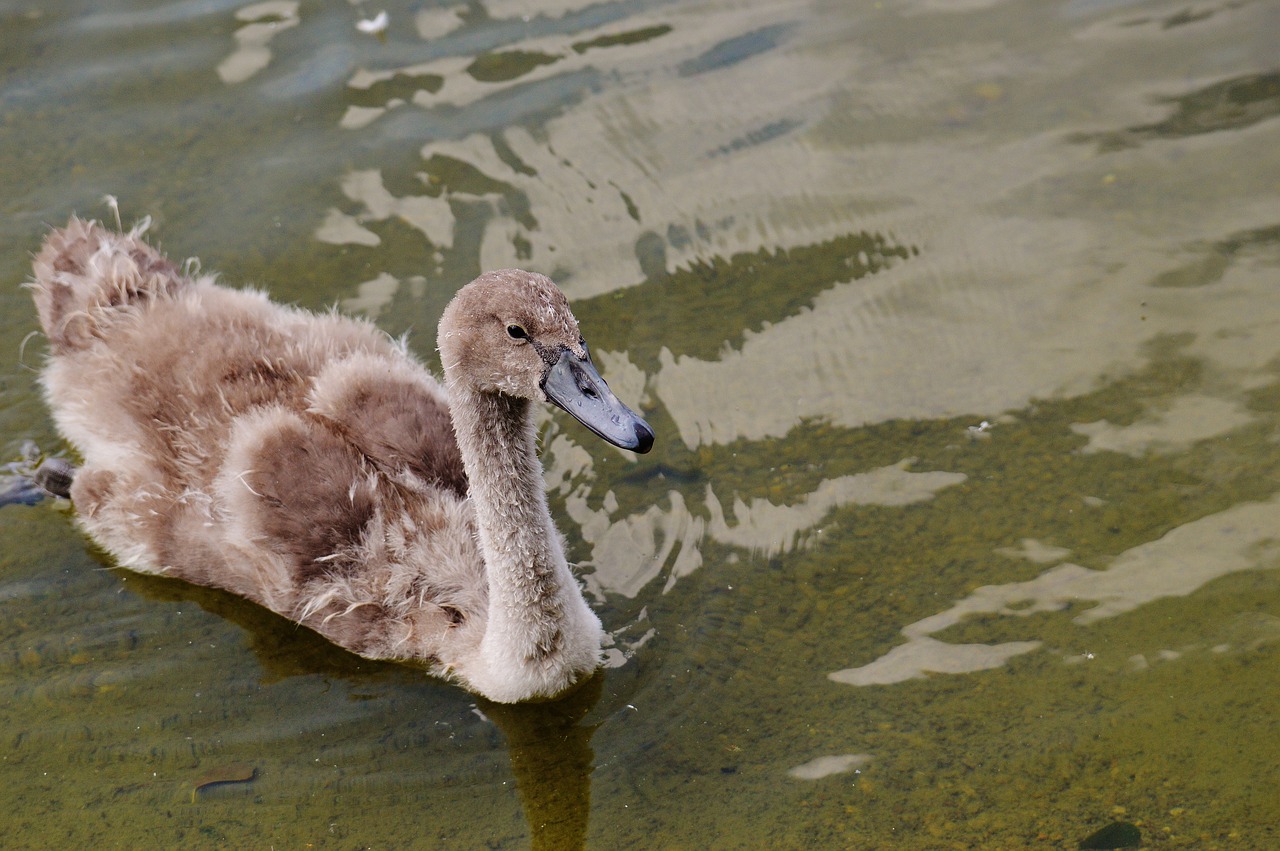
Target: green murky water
960,327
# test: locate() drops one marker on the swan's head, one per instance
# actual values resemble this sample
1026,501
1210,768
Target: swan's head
512,332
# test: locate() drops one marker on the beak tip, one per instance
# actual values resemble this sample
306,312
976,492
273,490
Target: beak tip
644,438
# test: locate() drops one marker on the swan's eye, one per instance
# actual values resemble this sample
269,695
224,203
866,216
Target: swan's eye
517,332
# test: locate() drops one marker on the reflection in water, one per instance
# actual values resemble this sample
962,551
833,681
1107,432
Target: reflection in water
1189,419
589,173
824,766
1228,105
549,746
773,529
819,239
735,299
552,760
425,213
263,22
281,647
1182,562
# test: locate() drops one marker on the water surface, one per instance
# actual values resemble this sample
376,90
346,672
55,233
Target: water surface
959,326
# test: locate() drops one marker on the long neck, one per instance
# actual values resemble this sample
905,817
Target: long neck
523,556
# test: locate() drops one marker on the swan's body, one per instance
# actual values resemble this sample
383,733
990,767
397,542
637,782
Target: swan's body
310,464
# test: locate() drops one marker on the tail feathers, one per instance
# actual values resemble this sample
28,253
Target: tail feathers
85,275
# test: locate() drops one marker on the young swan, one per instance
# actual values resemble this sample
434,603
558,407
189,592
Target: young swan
310,464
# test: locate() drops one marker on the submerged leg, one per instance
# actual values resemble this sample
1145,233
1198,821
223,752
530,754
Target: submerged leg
23,482
55,475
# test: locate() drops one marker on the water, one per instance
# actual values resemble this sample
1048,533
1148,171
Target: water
958,325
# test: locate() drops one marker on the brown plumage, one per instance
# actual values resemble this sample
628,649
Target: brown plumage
311,464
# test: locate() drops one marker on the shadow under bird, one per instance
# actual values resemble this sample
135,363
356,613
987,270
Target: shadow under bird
310,464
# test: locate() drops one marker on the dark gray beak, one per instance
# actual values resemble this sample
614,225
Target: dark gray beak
572,383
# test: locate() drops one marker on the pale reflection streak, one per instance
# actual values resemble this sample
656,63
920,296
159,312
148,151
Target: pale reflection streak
825,766
630,552
262,22
1036,551
1187,419
459,88
438,22
507,9
772,529
1241,538
374,295
339,228
429,215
